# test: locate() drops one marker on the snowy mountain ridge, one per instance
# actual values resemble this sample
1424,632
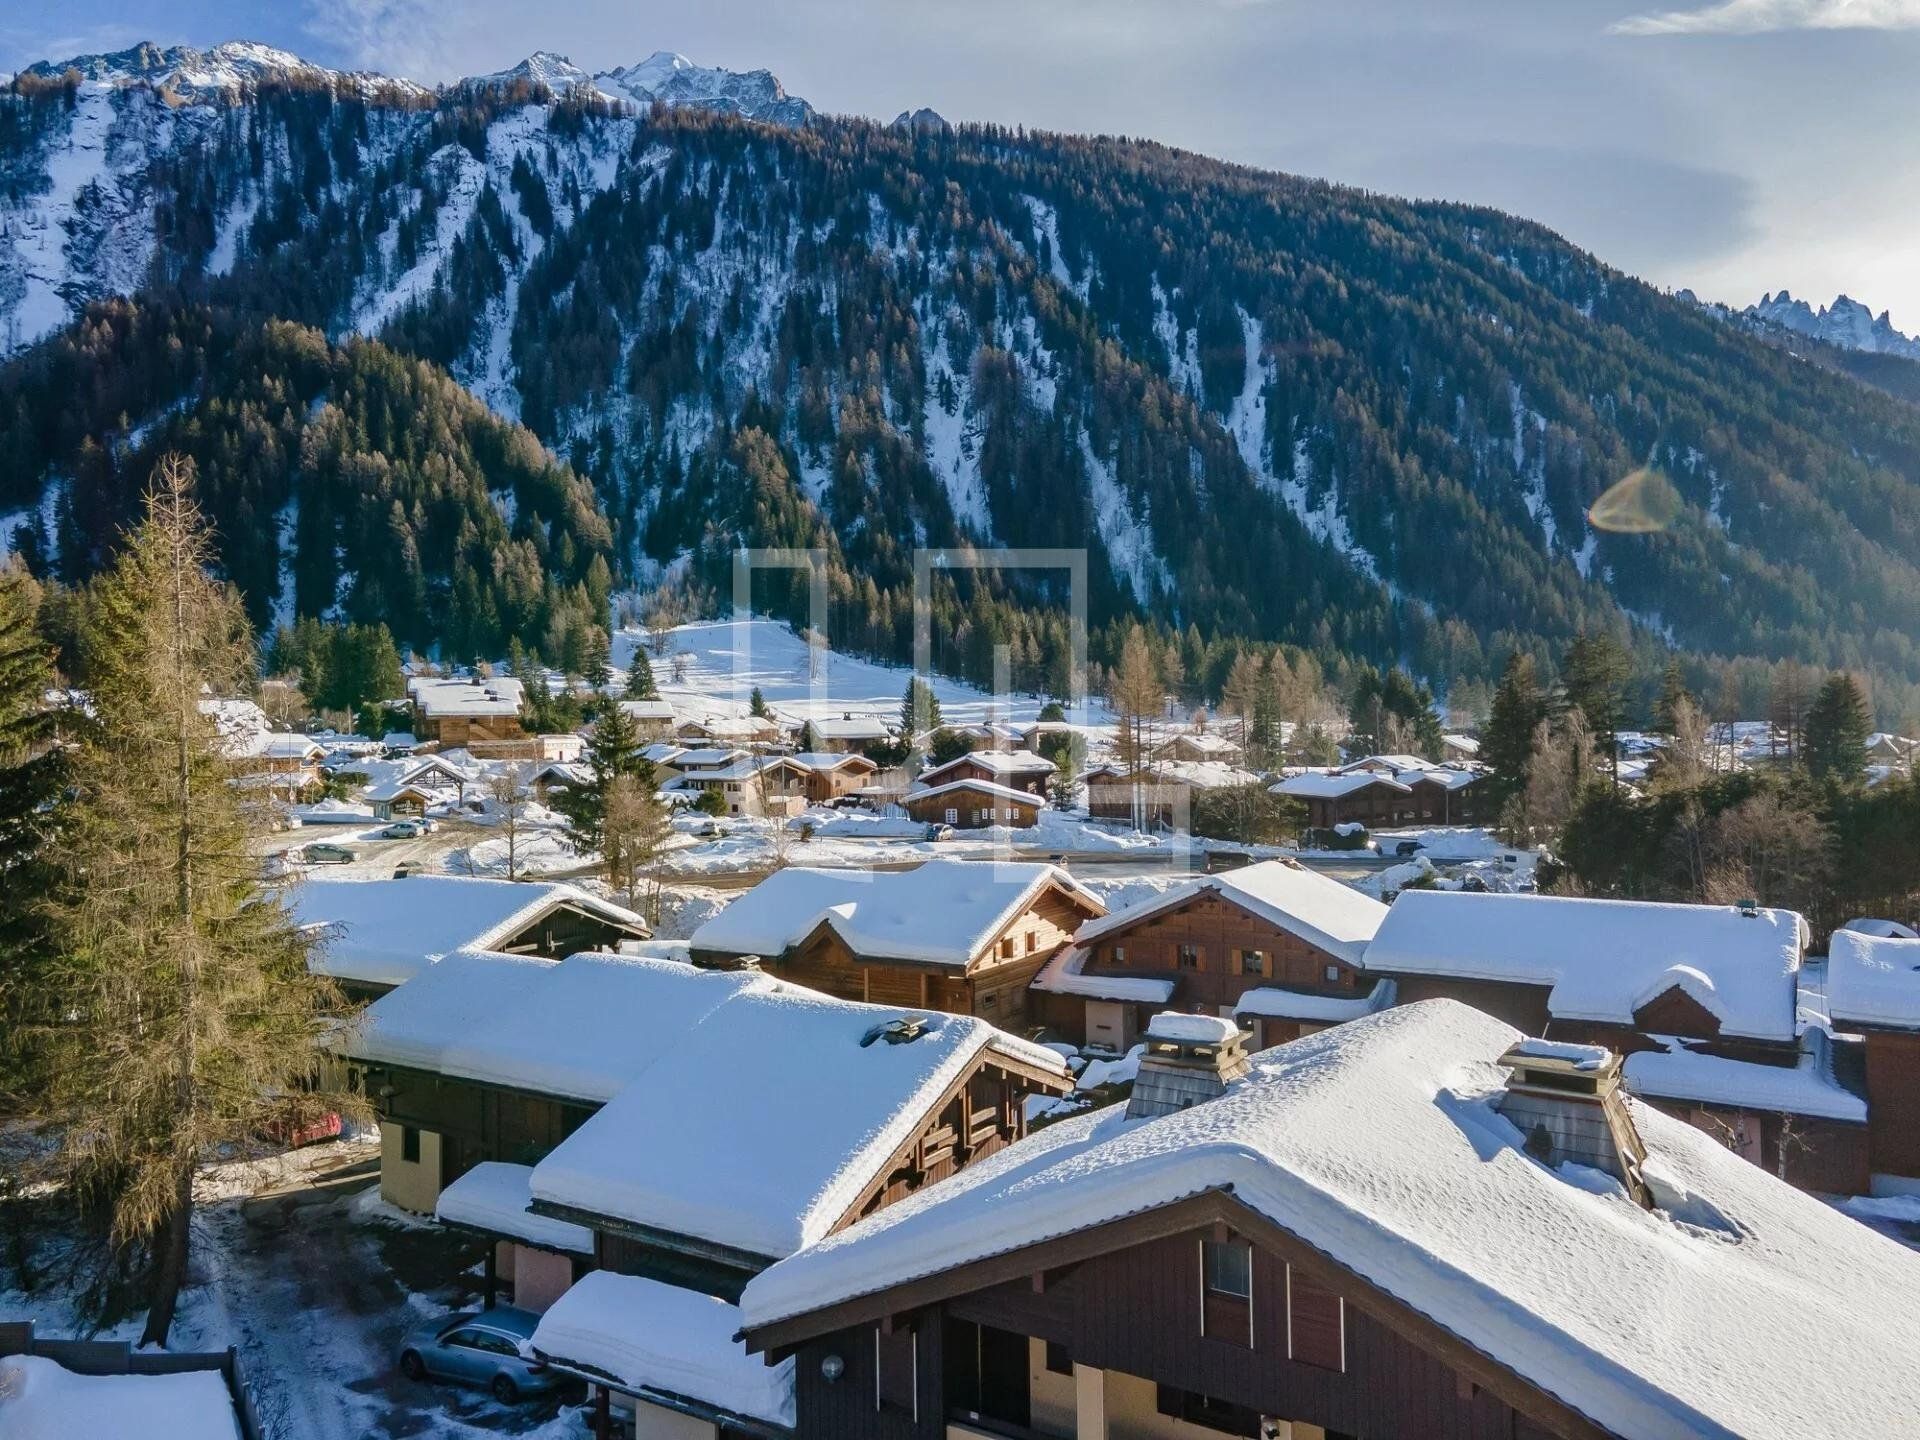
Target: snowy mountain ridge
1846,323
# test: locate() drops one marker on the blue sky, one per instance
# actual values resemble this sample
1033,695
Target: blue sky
1734,146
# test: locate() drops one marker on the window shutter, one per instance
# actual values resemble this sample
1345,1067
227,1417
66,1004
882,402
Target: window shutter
1316,1323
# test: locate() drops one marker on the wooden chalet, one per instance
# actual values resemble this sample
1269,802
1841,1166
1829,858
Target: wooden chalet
1873,988
971,804
818,777
1385,791
658,1134
376,934
951,935
1010,769
1261,1265
1274,942
1702,1000
454,712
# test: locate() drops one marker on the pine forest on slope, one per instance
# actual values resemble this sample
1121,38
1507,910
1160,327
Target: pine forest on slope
1275,409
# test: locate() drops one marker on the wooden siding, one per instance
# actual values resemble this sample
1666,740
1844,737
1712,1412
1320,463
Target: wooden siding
1522,1006
1893,1096
973,810
1220,931
1138,1311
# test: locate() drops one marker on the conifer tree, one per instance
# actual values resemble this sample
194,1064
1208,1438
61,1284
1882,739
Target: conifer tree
177,1018
1838,723
613,751
1507,746
920,710
640,684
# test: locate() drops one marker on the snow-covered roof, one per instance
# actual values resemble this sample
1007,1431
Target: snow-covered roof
41,1399
976,787
707,757
660,1339
662,752
577,1029
1873,980
399,740
287,747
1465,744
1271,1002
941,913
830,760
493,1197
1738,1306
1201,743
385,932
1682,1070
1062,975
1885,929
1604,959
761,1124
1334,917
997,762
1398,764
647,709
851,727
440,696
1318,785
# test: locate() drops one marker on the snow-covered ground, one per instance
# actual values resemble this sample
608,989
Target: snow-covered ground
725,660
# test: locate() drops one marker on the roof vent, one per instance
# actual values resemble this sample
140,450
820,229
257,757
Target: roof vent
903,1031
1566,1100
1188,1059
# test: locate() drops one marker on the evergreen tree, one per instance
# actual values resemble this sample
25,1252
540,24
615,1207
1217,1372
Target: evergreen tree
177,1020
1595,674
640,684
920,710
1838,723
757,704
613,752
599,663
1507,745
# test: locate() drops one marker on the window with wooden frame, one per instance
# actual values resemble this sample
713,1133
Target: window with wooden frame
1117,954
1316,1323
1226,1291
896,1371
1033,942
1253,962
1188,957
1332,973
1006,948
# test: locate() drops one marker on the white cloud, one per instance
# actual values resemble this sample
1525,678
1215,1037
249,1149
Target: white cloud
1758,17
397,37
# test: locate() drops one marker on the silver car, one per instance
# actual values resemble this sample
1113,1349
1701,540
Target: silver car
486,1347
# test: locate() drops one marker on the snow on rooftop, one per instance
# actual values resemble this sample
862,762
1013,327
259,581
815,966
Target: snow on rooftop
1884,929
1318,785
1581,1057
1331,915
991,789
798,1104
43,1400
577,1029
1681,1070
493,1197
1603,959
1192,1029
1062,975
385,932
998,762
1271,1002
657,1338
1873,980
1739,1307
439,696
941,913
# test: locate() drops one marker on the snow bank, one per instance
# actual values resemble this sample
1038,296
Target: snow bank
661,1339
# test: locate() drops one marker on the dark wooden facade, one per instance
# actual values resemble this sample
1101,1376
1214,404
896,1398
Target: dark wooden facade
1893,1102
1213,951
1312,1344
475,1121
968,808
994,986
1036,782
1382,805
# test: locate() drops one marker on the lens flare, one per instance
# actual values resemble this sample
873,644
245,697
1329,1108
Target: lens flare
1637,504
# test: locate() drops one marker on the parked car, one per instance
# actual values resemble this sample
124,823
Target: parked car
427,824
321,853
1406,849
485,1347
939,832
403,830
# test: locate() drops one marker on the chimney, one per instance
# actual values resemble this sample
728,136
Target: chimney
1189,1058
1566,1100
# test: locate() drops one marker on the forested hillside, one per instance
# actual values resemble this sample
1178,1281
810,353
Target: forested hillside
1275,409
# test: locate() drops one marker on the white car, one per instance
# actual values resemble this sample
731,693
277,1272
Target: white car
403,830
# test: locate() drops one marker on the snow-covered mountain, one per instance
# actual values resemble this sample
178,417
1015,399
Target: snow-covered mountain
1845,323
663,77
223,74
